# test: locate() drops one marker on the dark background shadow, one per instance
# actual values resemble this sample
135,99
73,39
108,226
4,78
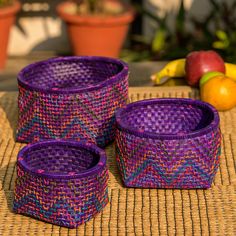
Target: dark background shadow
7,181
112,166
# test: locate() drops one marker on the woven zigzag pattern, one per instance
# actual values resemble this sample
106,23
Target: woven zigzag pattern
168,163
53,214
66,202
87,115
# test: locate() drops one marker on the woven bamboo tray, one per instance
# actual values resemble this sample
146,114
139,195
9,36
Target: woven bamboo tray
132,211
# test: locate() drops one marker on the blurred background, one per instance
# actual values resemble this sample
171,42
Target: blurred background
161,31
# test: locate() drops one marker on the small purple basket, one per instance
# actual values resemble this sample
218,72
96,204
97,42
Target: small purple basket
71,98
61,182
168,143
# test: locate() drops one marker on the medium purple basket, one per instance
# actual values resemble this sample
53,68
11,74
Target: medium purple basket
168,143
71,98
61,182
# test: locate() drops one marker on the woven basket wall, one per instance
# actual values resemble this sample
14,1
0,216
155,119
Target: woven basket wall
71,98
168,143
61,182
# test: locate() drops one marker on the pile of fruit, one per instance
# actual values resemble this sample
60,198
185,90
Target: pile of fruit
206,69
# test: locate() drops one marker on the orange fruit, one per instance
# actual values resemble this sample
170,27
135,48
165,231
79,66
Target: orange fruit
207,76
219,91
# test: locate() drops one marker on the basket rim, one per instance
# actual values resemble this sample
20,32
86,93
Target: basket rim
121,125
110,80
79,144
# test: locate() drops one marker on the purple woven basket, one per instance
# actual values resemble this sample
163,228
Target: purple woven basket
71,98
168,143
61,182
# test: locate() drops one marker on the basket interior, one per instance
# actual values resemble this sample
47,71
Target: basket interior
70,74
170,118
60,159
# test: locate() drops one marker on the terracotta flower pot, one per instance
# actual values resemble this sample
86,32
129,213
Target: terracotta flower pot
7,18
96,35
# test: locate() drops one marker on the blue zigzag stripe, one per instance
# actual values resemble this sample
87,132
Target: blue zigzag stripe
180,170
82,125
30,125
56,206
142,168
36,119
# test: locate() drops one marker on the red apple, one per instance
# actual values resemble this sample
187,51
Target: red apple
200,62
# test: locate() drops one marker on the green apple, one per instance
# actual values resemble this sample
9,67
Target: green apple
208,76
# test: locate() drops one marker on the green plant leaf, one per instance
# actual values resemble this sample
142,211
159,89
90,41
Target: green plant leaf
180,19
220,44
158,42
221,35
132,56
215,4
140,39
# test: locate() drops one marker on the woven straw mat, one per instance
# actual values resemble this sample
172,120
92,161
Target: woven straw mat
131,211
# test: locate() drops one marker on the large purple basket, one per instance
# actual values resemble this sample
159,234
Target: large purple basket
168,143
61,182
71,98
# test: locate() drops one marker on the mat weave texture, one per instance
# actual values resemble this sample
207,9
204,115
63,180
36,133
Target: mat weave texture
132,211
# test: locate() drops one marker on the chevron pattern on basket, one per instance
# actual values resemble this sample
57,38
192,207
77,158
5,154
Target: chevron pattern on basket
63,202
183,163
79,116
53,214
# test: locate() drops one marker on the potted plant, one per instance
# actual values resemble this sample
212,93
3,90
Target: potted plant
96,27
8,10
